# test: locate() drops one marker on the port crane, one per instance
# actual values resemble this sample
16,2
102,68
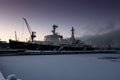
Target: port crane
32,33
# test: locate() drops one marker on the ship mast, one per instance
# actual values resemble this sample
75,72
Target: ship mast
72,33
15,36
54,29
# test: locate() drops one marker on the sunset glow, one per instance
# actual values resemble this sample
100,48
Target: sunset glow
88,17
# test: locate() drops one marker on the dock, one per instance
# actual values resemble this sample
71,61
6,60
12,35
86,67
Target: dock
10,52
37,52
52,52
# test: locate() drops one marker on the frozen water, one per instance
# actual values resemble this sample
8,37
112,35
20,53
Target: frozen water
62,67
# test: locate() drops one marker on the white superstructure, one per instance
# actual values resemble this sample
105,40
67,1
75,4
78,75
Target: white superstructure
53,38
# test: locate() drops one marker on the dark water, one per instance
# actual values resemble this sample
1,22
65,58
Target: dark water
62,67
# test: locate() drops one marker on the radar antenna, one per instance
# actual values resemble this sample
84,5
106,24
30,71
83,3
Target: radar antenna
54,29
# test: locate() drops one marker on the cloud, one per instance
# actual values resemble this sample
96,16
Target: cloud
103,40
99,28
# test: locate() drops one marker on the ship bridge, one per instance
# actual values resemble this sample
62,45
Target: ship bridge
54,38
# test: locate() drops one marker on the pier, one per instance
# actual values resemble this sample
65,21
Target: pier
37,52
50,52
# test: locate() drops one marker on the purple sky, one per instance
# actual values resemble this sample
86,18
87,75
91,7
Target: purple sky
87,17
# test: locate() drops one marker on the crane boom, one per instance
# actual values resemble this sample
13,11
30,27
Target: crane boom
32,33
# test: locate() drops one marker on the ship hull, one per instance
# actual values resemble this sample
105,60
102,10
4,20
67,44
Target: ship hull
35,46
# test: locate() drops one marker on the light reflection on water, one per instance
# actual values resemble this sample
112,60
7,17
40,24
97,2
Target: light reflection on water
62,67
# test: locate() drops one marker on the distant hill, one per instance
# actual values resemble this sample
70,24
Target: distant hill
103,40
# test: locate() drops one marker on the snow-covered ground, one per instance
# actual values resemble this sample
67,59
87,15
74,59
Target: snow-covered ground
62,67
